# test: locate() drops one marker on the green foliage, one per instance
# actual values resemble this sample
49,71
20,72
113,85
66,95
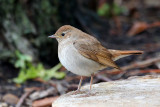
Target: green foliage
29,71
105,10
22,60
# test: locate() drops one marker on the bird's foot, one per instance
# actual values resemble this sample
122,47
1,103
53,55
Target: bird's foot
76,92
90,93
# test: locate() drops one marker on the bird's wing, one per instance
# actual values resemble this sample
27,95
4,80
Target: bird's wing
92,49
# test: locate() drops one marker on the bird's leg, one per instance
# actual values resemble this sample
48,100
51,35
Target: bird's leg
79,86
92,75
80,82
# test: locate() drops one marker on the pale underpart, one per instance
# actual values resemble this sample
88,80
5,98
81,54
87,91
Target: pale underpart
73,61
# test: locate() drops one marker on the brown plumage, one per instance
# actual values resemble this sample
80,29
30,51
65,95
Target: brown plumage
83,54
117,54
93,50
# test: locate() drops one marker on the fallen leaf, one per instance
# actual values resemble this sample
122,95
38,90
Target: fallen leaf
155,24
44,102
150,71
137,27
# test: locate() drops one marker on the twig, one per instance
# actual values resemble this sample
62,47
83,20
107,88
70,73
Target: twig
104,78
46,102
134,65
25,95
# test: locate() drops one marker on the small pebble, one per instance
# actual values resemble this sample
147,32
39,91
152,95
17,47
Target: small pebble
10,98
3,104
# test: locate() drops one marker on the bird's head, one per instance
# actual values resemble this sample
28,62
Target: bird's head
65,32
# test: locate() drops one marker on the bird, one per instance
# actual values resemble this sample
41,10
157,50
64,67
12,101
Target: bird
84,55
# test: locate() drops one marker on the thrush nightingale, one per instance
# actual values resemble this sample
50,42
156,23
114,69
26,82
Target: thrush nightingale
84,55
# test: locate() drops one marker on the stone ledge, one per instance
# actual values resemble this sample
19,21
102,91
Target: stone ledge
133,92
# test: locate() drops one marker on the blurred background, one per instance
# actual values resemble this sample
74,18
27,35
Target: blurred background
30,70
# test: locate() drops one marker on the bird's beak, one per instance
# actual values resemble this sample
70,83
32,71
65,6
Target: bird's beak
52,36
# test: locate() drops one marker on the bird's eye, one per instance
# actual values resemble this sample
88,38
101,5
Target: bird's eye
63,34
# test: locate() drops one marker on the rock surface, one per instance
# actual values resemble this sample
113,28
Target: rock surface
133,92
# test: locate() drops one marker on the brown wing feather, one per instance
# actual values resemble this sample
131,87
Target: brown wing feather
92,49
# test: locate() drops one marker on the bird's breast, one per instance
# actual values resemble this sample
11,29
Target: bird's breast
73,61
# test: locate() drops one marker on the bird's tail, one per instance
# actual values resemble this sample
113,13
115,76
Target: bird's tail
117,54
